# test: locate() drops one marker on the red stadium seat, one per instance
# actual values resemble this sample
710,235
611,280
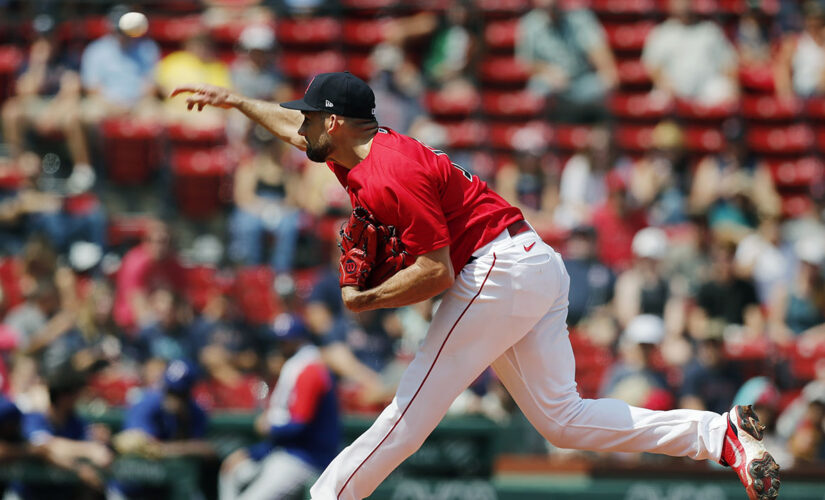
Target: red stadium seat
174,30
11,271
518,104
796,173
363,33
623,7
794,205
628,37
441,104
127,229
572,137
199,178
632,73
690,110
255,294
304,65
503,8
501,34
757,79
770,108
807,359
634,138
704,140
131,150
228,33
309,31
794,139
638,107
504,70
360,65
11,58
367,4
465,134
815,109
519,136
185,136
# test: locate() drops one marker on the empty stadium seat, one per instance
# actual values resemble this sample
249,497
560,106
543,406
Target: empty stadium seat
757,79
255,294
363,33
442,104
815,109
793,139
639,106
501,34
704,140
174,30
807,359
571,137
304,65
794,205
186,136
628,8
770,108
466,134
126,230
11,271
199,177
694,111
504,70
308,31
628,37
360,64
796,172
503,8
632,73
634,138
131,150
516,104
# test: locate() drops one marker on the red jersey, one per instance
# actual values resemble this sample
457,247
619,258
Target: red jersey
432,201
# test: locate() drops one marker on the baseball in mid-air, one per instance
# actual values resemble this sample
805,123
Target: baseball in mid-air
133,24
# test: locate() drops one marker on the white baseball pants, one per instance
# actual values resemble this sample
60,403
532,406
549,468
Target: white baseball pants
508,309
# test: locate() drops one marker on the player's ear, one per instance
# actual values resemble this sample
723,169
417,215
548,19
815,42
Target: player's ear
333,123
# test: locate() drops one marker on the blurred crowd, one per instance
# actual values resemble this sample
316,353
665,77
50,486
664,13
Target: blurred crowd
137,237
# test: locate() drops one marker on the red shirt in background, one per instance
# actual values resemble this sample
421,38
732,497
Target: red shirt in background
431,201
615,233
139,272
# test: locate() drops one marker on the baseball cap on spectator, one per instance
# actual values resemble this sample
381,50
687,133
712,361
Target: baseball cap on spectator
84,255
43,24
645,329
341,93
650,243
810,249
257,37
179,377
289,327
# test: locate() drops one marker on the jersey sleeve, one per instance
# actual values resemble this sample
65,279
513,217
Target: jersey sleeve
421,215
139,416
311,385
36,428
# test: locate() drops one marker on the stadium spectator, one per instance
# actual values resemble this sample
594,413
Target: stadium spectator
660,180
798,308
762,257
634,378
725,299
163,332
47,101
800,63
454,47
729,186
39,320
709,382
530,182
266,194
807,444
196,62
256,73
753,37
616,221
117,73
398,86
151,265
300,424
567,56
596,281
691,59
12,445
65,440
582,183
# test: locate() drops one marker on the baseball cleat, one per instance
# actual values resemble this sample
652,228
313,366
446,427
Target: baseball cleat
744,451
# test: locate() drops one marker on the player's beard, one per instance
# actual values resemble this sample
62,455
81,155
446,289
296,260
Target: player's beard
320,151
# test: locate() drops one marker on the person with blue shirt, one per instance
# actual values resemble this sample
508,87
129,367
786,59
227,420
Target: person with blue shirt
64,439
301,425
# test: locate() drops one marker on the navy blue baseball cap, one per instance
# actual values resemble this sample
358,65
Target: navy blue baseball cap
179,377
289,327
8,410
340,93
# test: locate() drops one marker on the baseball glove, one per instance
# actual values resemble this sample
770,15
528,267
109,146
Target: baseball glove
370,251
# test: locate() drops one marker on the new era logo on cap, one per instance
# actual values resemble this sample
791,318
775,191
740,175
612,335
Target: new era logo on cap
340,93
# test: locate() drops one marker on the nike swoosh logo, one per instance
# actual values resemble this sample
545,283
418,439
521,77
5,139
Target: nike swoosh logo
529,247
736,452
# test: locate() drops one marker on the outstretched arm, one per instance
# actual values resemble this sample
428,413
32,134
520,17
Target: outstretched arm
283,123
